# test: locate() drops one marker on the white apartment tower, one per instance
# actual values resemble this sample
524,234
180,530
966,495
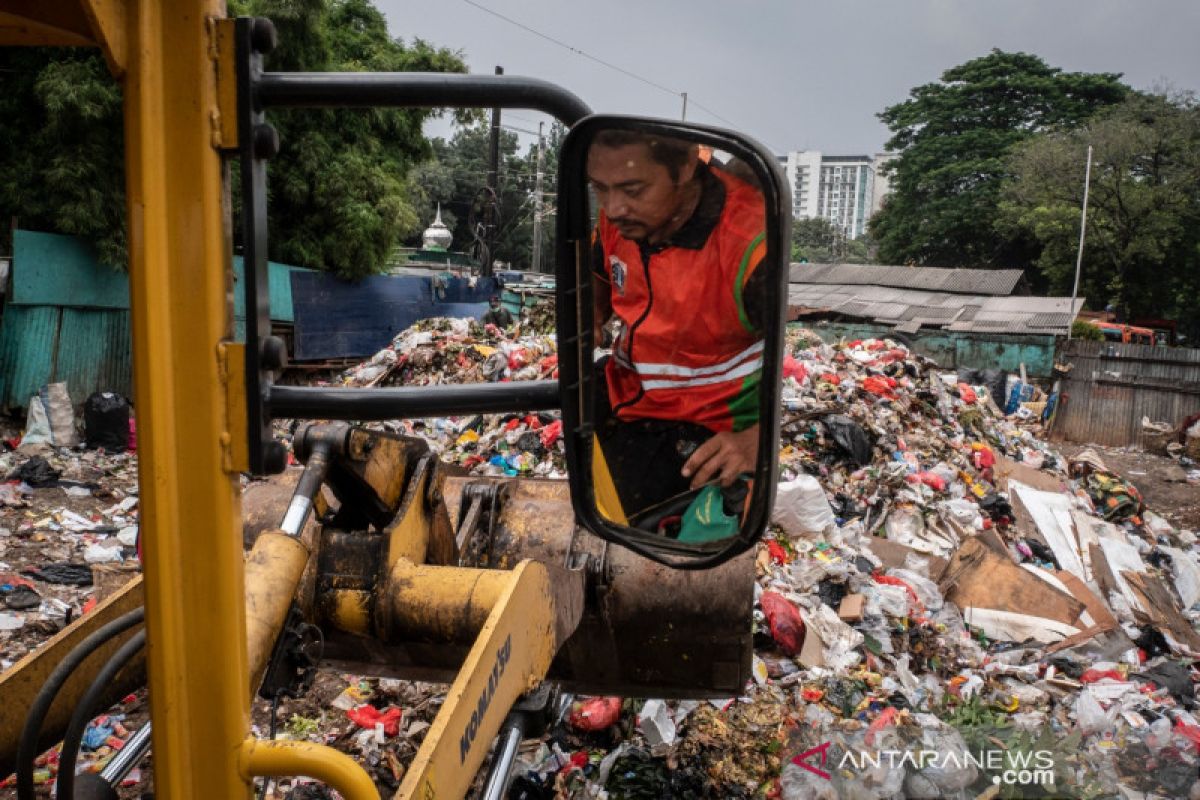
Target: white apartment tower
846,190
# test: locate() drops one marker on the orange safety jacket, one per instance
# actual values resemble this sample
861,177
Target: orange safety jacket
688,350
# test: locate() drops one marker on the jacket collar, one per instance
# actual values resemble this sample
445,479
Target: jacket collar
694,233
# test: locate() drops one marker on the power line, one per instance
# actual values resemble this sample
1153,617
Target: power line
575,50
602,62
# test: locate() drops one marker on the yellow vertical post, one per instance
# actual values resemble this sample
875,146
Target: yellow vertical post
190,507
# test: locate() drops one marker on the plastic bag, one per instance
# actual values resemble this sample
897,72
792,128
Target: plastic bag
61,414
106,422
850,437
787,628
705,519
37,424
1090,715
927,591
801,508
595,713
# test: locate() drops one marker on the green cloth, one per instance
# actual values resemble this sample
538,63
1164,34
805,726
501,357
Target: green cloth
705,519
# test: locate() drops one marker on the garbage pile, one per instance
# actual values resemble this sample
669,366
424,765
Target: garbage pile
66,517
945,608
454,351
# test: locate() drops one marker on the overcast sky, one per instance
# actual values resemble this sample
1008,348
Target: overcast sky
796,75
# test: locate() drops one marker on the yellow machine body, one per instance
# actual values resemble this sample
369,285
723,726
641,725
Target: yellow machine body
493,609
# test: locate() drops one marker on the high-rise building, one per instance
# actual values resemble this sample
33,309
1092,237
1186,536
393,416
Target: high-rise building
846,190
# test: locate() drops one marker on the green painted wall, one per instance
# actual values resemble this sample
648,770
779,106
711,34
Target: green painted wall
54,270
67,319
954,349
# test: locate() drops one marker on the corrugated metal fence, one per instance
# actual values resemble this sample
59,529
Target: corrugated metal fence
1112,386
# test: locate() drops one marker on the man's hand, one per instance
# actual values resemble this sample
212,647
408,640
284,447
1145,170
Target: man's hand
726,456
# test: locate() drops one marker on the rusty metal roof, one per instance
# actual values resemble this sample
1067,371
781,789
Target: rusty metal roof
991,282
944,310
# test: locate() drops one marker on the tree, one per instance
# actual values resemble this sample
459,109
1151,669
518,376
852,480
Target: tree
1142,250
456,179
337,191
953,138
338,196
63,167
819,241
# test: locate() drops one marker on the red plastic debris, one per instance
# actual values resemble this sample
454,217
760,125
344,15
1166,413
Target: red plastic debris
367,716
794,369
777,553
935,482
787,628
1093,675
594,714
551,433
880,386
90,604
884,719
578,760
967,393
831,378
1190,731
913,600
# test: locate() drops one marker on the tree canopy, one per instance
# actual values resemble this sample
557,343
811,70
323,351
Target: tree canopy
1142,249
455,179
953,139
337,189
818,241
63,168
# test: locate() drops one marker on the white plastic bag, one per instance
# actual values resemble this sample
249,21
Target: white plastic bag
61,414
37,424
801,508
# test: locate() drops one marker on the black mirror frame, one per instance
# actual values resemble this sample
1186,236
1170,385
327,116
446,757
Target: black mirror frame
576,346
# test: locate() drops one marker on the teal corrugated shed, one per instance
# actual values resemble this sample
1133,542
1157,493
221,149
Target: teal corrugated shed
28,341
67,320
95,352
54,270
279,276
88,348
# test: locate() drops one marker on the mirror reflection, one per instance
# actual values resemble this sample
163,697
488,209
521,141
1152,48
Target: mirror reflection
677,261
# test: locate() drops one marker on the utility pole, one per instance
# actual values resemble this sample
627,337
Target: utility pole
683,116
493,196
1087,180
537,204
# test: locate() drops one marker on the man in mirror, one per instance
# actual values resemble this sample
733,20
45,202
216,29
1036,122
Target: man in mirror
675,259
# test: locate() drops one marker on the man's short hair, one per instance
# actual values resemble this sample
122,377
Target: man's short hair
671,153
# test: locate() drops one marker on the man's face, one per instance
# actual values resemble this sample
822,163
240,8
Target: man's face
636,193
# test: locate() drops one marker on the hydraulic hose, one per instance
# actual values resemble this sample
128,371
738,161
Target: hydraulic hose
73,738
27,747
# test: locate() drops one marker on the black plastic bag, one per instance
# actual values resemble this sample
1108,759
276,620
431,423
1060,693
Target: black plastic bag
971,377
37,472
106,422
850,437
996,381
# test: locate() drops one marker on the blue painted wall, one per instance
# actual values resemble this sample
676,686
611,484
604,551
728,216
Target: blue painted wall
338,319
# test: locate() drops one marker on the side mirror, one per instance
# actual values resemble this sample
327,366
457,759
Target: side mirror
672,291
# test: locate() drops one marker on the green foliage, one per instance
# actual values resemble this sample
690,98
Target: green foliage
338,198
61,168
338,195
457,179
817,240
953,138
1142,249
1085,331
